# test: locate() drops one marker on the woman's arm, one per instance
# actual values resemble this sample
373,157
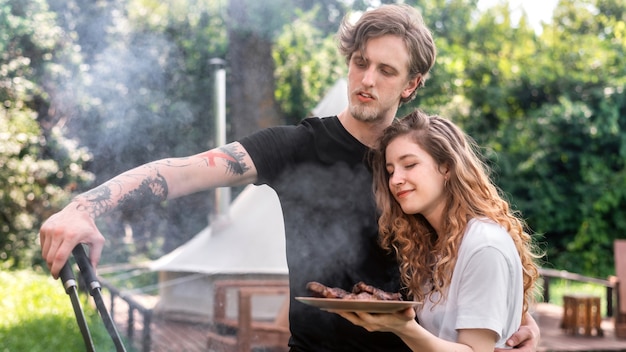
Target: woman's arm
404,325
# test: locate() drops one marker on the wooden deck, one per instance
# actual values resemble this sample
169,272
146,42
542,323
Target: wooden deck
553,339
165,335
169,335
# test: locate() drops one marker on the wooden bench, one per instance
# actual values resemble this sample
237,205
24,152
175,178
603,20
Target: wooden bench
582,313
242,333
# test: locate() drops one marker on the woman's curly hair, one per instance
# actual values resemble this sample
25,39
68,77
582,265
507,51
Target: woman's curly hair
426,258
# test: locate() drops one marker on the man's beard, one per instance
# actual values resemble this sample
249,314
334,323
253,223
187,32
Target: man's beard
365,113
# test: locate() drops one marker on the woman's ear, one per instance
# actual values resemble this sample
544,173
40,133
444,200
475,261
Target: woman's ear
445,171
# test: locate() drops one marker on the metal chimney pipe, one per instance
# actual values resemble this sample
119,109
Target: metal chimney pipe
222,194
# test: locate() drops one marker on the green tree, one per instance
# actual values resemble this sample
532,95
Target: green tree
38,168
307,64
548,107
563,158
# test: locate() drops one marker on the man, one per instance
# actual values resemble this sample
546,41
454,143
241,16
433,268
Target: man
319,171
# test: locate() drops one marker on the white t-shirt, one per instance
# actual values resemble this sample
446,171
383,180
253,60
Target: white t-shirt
487,289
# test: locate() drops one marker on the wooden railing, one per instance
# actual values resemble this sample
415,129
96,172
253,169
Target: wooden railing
549,274
133,306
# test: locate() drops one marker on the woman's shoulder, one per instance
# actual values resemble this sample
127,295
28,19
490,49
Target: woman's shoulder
482,232
483,224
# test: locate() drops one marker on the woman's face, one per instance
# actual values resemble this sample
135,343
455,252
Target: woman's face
415,180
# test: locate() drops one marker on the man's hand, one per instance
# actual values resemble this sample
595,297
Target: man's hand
65,230
526,339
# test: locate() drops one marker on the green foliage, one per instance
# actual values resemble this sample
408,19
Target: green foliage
33,186
307,64
560,134
37,315
37,168
549,109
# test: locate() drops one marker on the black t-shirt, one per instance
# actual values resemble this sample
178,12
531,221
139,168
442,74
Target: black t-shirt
320,174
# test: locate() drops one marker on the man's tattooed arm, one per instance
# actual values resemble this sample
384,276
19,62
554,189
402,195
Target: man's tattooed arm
149,183
152,188
230,155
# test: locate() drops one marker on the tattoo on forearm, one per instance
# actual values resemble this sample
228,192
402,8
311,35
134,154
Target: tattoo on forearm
97,201
233,159
151,190
100,200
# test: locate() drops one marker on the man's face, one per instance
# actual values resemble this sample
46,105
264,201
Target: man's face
378,78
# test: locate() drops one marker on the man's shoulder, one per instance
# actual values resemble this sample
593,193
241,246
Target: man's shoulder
320,122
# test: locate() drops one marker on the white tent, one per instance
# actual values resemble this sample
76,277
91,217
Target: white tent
248,242
250,239
335,100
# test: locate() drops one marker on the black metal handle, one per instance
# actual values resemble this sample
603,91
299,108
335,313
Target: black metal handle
86,270
67,277
69,283
89,275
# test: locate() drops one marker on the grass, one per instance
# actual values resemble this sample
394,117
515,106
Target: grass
37,315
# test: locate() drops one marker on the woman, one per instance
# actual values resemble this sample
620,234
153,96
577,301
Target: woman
463,252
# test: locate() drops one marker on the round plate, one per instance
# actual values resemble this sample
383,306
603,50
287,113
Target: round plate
370,306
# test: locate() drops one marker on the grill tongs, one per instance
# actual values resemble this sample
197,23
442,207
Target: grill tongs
71,288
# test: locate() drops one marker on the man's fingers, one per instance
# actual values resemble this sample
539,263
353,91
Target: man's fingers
45,247
522,340
46,241
59,257
521,335
526,339
51,252
95,251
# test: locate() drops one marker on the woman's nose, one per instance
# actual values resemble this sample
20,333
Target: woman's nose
396,179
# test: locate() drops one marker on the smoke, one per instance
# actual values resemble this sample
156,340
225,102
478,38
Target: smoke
135,113
133,99
330,223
